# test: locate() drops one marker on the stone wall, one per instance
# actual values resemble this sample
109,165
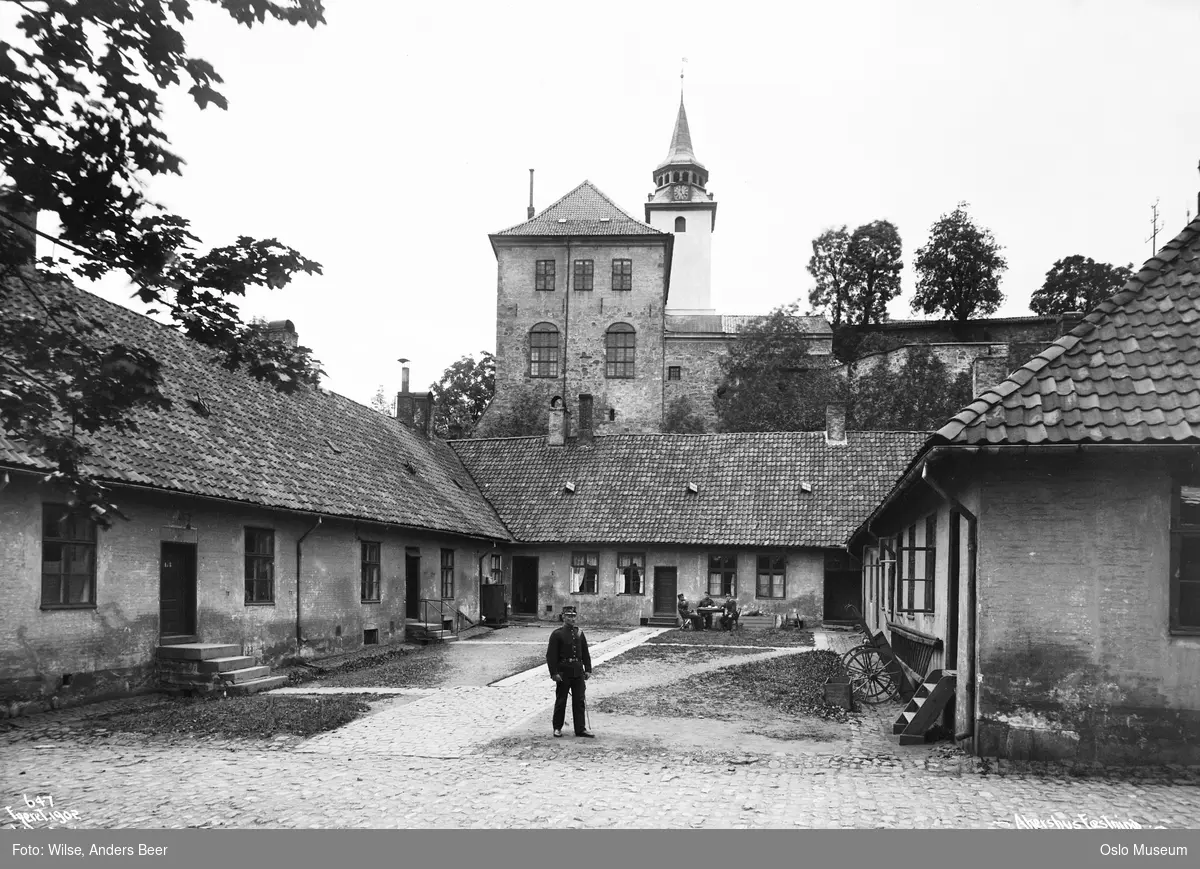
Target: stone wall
582,318
957,358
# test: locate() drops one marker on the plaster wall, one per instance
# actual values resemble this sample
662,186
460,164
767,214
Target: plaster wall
109,649
804,586
1075,655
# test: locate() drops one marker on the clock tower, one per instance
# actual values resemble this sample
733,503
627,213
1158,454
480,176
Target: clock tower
680,204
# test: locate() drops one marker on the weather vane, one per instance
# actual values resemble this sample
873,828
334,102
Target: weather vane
681,69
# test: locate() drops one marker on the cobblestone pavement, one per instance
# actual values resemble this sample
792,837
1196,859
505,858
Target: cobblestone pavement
483,757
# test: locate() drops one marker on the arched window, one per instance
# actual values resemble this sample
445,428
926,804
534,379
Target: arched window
680,224
676,176
543,350
620,344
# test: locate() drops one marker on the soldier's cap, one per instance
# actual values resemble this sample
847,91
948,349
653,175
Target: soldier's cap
681,596
570,611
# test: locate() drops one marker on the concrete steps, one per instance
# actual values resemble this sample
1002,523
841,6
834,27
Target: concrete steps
427,633
208,668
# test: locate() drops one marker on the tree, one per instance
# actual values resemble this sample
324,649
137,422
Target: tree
80,135
830,268
958,269
875,263
380,402
525,413
771,383
918,395
681,417
462,395
1078,284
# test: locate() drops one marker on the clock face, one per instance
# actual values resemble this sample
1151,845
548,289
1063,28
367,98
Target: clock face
681,192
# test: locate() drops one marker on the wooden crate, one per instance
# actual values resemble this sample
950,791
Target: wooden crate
756,623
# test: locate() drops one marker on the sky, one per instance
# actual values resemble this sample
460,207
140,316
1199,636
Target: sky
389,143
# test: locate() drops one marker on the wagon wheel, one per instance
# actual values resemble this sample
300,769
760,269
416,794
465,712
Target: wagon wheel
868,674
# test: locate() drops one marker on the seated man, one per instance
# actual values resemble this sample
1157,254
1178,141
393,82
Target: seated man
685,615
729,614
706,601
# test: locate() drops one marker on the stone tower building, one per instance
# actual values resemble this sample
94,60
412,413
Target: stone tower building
680,204
581,293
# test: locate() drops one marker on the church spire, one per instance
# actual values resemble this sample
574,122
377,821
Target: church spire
680,152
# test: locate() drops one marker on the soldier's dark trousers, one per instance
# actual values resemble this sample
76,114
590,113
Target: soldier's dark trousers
576,687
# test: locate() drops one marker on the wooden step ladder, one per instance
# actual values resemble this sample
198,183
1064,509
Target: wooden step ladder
925,708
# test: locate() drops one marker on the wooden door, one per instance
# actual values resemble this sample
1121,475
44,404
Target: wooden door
665,583
525,584
177,589
412,585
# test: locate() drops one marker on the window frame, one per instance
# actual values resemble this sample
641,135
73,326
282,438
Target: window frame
583,270
674,372
725,573
637,561
681,224
447,574
544,278
87,543
590,572
496,571
538,364
907,583
620,352
1180,530
772,572
254,582
370,580
622,275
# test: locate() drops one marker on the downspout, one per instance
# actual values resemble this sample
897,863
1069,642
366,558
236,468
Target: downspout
479,597
299,556
566,360
972,526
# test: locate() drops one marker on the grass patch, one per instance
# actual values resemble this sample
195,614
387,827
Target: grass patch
779,637
678,654
255,716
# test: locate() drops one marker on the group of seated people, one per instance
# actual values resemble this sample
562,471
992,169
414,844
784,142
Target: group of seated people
703,620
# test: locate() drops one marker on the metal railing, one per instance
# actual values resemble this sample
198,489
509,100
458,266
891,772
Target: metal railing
440,606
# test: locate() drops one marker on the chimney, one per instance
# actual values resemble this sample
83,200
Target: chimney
423,413
986,372
529,210
1067,321
406,406
556,434
283,332
835,424
585,419
18,240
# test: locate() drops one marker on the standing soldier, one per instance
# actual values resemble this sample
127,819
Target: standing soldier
570,667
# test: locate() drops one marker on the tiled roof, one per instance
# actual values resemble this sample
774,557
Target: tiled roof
583,211
1129,372
314,451
633,488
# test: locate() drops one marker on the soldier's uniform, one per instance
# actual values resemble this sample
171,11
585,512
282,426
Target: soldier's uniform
567,655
